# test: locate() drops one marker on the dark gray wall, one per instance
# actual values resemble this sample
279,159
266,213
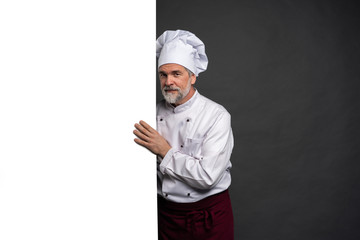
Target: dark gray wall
288,72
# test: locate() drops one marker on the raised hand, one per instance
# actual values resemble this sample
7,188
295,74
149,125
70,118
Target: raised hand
149,138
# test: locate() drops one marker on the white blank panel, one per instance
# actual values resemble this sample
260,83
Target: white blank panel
75,76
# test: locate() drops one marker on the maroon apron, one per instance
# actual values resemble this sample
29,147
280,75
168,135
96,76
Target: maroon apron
208,219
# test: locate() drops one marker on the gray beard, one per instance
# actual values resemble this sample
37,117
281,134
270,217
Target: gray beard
174,98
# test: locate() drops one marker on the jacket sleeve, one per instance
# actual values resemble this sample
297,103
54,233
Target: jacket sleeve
202,162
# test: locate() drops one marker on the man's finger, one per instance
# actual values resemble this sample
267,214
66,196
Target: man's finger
142,129
146,126
144,144
141,135
141,143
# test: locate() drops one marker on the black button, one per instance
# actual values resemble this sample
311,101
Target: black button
166,194
182,146
188,120
188,194
161,119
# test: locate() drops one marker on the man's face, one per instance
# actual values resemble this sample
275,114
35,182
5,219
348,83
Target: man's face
175,83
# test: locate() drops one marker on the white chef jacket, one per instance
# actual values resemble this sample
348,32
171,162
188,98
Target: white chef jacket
201,139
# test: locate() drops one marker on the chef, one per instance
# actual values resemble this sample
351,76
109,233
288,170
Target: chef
193,143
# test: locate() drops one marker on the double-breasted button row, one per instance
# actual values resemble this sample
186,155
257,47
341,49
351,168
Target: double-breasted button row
187,120
166,195
161,119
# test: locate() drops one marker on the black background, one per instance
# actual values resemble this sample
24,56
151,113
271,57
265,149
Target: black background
288,72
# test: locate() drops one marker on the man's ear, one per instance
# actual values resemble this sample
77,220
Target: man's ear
193,79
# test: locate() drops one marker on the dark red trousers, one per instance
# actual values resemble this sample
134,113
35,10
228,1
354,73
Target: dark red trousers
207,219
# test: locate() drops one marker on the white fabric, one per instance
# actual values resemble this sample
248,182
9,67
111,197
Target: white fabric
198,164
182,47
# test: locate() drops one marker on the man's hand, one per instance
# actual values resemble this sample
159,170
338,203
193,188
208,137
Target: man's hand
151,139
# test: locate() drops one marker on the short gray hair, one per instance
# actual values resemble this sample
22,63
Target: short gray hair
189,72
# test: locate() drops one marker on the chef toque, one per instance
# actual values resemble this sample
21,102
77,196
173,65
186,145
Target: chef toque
183,48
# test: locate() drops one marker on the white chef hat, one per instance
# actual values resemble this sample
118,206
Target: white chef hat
182,47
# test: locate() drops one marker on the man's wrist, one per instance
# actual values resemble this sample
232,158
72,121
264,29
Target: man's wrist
163,153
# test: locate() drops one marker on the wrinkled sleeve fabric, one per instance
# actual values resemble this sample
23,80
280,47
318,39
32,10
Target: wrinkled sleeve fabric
204,161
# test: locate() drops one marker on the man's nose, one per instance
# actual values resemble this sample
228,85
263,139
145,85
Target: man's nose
169,81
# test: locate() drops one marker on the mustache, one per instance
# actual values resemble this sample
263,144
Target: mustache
166,88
